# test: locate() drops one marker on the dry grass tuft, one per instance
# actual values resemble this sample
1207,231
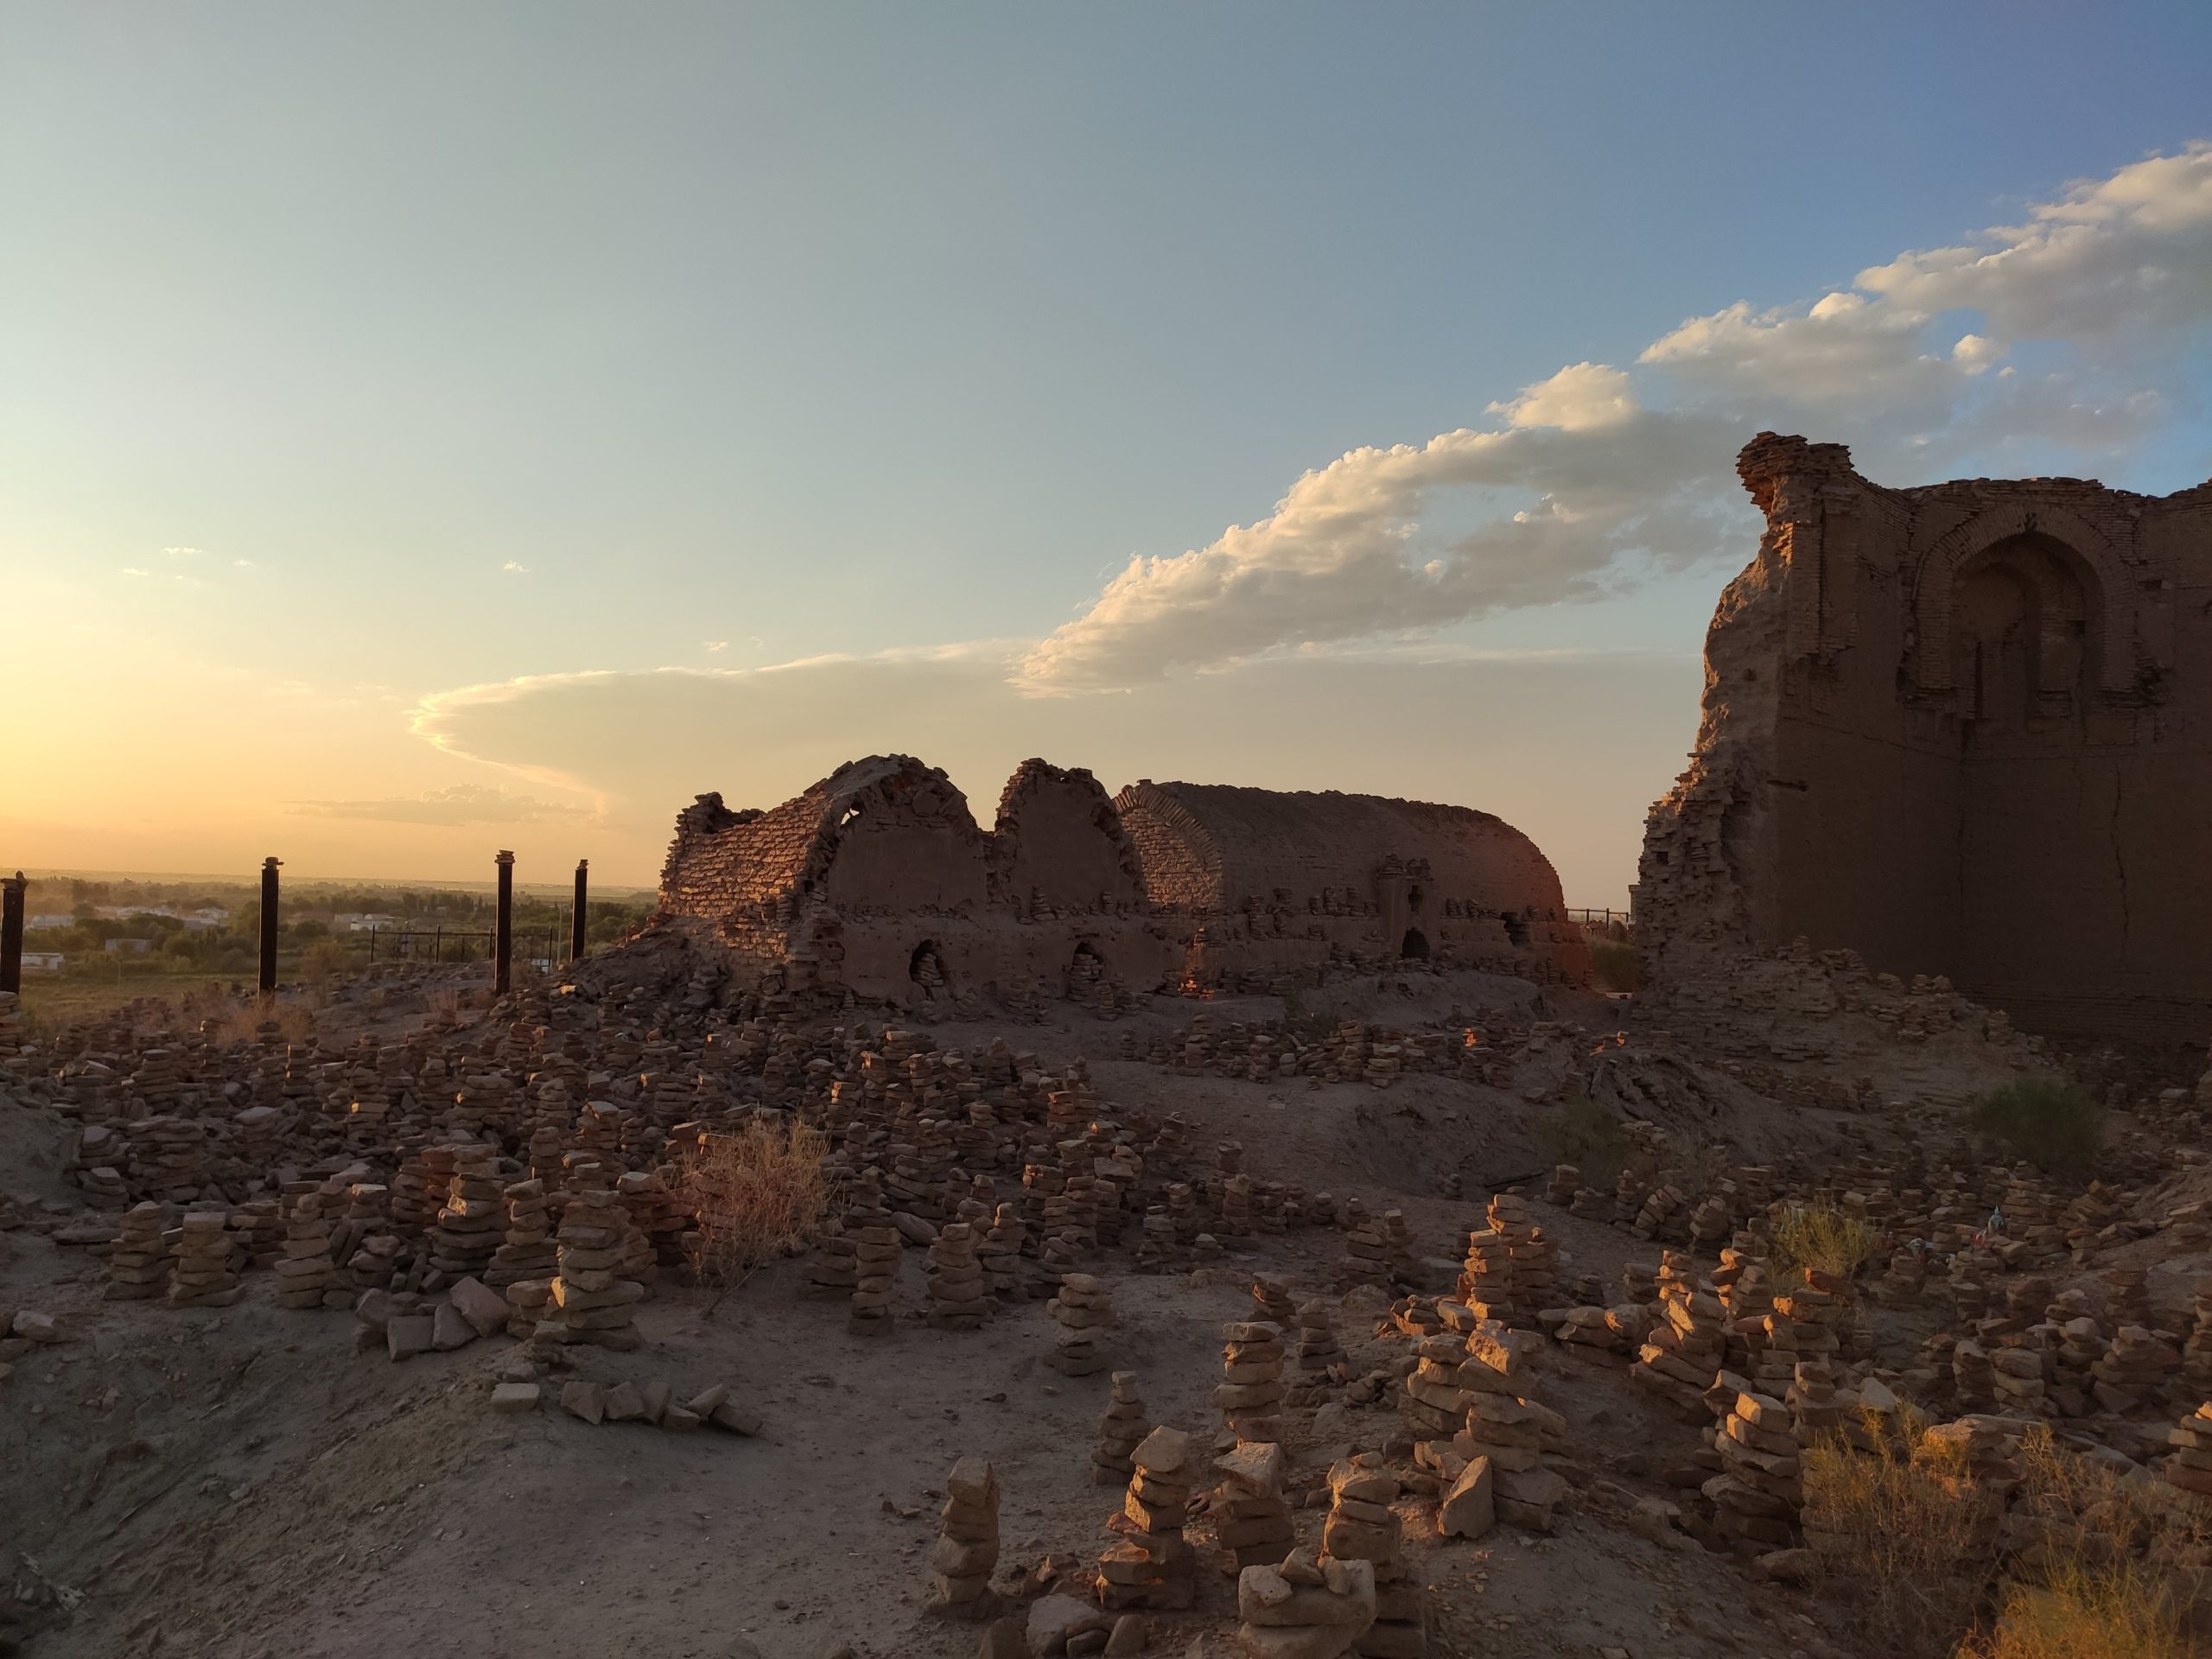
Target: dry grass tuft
1821,1236
1908,1525
2114,1611
757,1194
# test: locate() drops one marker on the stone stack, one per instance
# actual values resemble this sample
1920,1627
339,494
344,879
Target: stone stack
1315,1356
138,1262
1082,1311
1682,1353
589,1301
374,1252
528,1251
1486,1276
1251,1511
203,1275
877,1244
306,1277
2134,1368
1308,1608
956,1279
1121,1430
1566,1182
1757,1496
473,1217
832,1271
967,1551
1507,1429
2196,1352
1004,1277
1152,1568
2189,1471
1367,1248
1361,1528
1250,1395
2018,1380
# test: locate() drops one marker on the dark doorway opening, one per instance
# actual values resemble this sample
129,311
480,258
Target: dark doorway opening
926,969
1516,930
1414,945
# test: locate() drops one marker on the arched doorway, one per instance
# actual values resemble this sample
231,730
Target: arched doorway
1414,946
926,969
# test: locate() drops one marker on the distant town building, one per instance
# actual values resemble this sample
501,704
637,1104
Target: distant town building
42,962
48,922
128,947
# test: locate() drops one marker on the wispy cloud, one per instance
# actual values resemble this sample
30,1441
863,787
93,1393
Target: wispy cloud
1598,476
716,644
514,567
459,804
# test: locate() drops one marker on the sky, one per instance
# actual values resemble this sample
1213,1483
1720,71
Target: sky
427,429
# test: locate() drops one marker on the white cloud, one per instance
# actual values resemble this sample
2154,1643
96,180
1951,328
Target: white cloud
1589,485
716,644
183,553
133,571
514,567
1577,398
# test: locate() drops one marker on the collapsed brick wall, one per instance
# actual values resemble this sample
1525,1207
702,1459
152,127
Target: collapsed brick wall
1059,844
1961,730
1279,873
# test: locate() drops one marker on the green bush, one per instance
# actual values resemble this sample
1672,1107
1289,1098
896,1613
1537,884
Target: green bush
2057,1126
1587,1135
1618,965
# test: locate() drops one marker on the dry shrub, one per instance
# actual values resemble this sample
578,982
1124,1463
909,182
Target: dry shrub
757,1194
1617,965
2058,1127
241,1022
1908,1525
1589,1136
2117,1611
1821,1236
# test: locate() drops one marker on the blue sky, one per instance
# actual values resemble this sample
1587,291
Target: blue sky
460,348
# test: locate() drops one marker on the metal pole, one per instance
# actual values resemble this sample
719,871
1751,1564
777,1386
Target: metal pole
503,926
11,931
576,916
268,866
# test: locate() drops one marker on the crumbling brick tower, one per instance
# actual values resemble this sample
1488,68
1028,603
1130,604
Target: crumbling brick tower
1964,729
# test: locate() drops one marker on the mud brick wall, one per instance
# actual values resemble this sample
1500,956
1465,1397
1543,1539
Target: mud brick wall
1964,729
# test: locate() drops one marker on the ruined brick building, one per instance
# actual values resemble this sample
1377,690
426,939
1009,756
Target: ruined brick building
878,881
1963,730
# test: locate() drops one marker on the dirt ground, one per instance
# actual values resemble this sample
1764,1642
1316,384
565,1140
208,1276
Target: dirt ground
241,1483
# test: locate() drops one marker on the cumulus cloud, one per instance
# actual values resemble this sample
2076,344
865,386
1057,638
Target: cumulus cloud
1596,477
514,567
449,808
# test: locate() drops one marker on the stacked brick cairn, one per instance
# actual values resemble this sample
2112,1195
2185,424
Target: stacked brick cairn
1506,1429
1120,1431
1081,1311
590,1302
1361,1528
1684,1351
306,1277
956,1279
967,1550
1152,1567
1250,1395
1758,1496
138,1261
1311,1607
203,1276
1250,1510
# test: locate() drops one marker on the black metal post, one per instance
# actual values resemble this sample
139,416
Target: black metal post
269,925
11,931
576,916
503,926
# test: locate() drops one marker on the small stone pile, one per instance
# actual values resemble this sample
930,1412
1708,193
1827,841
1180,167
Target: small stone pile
1316,1355
1361,1528
1367,1248
1121,1430
473,1217
1758,1495
1153,1568
590,1302
967,1550
1682,1354
1508,1428
956,1279
1081,1311
1250,1395
529,1251
306,1277
2189,1471
831,1270
203,1276
877,1244
2134,1368
1311,1607
1251,1511
138,1261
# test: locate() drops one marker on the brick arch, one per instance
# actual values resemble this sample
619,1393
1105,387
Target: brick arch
2109,583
